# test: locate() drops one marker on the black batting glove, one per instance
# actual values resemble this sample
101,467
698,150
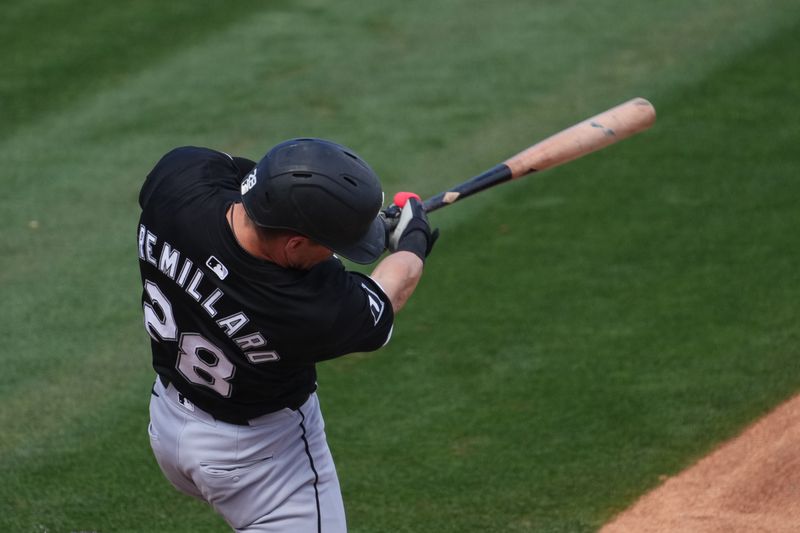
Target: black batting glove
410,231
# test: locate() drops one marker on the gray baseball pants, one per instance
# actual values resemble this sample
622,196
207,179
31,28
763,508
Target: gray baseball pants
274,475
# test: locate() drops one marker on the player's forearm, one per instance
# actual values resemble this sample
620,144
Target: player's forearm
398,275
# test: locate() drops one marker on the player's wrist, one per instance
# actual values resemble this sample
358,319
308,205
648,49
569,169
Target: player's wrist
418,239
416,242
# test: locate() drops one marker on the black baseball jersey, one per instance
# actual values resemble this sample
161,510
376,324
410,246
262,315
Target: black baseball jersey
237,335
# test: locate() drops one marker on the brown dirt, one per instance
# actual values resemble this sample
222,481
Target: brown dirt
749,484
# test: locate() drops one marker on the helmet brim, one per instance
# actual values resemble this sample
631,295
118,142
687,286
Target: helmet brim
369,248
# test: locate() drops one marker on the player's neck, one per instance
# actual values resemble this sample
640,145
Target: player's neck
247,236
288,250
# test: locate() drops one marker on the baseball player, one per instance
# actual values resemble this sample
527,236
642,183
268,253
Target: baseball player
243,293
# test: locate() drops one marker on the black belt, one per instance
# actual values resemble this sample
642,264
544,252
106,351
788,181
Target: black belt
293,404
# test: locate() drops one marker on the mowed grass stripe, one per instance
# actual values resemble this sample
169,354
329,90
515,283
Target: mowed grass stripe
100,476
725,312
94,165
100,145
637,323
554,79
97,151
58,53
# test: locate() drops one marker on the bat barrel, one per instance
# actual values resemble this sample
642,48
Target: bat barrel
599,131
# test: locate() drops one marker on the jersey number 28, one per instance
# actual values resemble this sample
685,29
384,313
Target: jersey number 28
199,360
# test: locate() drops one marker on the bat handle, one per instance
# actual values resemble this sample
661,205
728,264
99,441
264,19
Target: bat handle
495,175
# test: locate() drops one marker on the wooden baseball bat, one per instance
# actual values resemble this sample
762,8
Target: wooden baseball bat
592,134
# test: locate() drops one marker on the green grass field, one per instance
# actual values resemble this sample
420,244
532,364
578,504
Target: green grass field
577,334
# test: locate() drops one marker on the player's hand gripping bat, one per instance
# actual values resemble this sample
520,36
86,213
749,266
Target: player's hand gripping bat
592,134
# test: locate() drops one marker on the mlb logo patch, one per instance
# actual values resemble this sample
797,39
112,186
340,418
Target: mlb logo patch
217,267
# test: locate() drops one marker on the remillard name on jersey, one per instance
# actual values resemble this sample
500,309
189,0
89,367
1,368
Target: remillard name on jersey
189,277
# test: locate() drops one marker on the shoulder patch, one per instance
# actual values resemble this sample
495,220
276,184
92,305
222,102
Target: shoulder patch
376,305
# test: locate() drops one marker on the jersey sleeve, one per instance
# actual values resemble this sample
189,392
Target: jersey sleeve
186,173
360,319
244,165
365,317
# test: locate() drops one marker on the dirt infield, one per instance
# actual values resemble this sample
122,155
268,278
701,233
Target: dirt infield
749,484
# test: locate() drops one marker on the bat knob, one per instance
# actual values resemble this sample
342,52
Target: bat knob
391,212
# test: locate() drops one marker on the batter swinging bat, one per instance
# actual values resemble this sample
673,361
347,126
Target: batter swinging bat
592,134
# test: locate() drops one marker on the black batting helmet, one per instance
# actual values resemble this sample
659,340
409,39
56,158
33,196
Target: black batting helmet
322,190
